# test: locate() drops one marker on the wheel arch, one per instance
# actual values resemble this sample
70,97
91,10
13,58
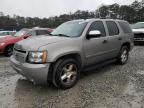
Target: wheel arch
75,56
126,44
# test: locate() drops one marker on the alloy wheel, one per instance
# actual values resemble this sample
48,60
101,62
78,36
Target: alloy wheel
69,74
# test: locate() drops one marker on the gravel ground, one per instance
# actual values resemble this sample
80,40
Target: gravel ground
112,86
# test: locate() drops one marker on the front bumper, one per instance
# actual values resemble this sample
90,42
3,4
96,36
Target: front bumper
37,73
138,39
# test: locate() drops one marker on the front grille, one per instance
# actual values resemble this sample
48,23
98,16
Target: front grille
19,50
19,55
139,36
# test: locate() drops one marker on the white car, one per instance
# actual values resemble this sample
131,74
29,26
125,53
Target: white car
138,30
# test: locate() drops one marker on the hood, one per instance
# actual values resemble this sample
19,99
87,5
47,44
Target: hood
34,43
138,30
6,38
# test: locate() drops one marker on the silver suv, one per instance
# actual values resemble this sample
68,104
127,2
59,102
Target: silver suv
71,48
138,30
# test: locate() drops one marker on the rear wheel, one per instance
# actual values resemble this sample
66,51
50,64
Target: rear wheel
124,55
9,51
66,73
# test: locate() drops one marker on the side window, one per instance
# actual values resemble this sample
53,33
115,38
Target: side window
7,33
32,33
12,33
98,25
42,32
125,27
112,28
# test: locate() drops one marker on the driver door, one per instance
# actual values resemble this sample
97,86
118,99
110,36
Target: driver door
95,49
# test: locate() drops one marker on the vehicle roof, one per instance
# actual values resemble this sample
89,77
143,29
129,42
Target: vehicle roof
36,29
40,28
95,19
7,31
140,22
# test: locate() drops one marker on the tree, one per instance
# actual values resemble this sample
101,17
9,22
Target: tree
136,5
114,11
132,13
103,11
127,13
140,14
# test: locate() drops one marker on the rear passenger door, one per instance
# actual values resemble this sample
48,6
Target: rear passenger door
114,39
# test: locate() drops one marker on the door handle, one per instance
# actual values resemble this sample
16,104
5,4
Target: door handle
105,41
119,38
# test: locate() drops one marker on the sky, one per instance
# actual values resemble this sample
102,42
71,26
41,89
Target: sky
48,8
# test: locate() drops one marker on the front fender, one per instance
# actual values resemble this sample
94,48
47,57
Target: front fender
60,49
65,54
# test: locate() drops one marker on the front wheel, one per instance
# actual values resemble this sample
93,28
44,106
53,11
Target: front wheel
124,55
9,51
66,73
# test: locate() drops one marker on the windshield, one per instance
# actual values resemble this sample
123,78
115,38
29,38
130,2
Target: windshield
3,33
70,29
138,26
20,33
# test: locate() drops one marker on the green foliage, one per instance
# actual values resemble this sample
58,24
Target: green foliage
132,13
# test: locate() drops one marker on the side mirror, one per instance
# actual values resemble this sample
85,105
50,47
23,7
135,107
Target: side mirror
94,34
26,36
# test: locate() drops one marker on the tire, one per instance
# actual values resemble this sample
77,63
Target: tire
67,72
9,51
123,55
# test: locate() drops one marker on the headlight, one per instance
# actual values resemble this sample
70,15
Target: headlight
2,44
37,57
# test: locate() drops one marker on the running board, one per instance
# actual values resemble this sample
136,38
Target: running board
98,65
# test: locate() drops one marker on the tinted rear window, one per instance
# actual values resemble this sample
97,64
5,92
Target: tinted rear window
112,28
125,27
